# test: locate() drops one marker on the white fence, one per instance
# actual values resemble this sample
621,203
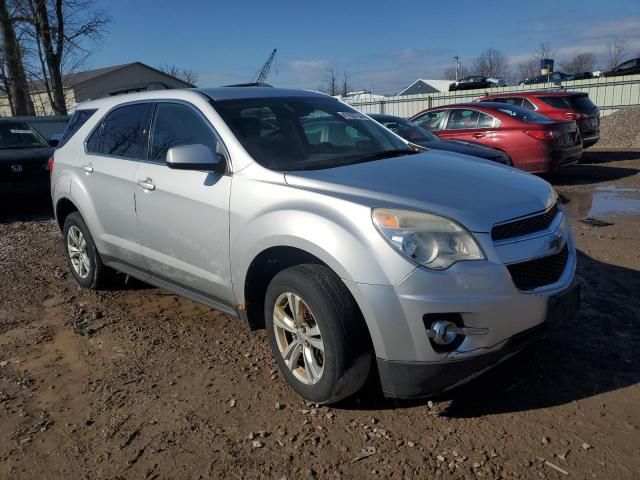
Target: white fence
609,94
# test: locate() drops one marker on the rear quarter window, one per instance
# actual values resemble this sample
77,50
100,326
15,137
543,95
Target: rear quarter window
556,102
581,103
78,119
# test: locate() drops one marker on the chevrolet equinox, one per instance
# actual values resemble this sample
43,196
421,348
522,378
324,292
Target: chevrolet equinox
360,253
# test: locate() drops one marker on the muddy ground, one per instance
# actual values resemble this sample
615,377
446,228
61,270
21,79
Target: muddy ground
139,383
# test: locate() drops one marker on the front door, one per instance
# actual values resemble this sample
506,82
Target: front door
183,215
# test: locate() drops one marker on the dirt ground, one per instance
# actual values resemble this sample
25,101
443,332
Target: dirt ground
139,383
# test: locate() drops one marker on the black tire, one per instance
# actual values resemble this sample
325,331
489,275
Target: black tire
98,275
348,353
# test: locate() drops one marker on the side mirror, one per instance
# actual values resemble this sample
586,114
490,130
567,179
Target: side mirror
54,141
195,157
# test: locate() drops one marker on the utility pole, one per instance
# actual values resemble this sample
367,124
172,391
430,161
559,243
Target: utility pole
457,59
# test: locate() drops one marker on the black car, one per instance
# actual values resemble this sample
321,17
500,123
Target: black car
416,134
476,81
630,67
24,159
556,77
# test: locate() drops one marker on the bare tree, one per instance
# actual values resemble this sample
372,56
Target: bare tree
4,82
346,87
491,63
450,72
617,47
580,63
188,75
330,86
544,51
61,35
528,68
16,79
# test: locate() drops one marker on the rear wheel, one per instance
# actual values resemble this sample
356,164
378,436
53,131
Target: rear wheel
317,333
81,253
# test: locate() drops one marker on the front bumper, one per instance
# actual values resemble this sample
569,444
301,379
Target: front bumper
409,380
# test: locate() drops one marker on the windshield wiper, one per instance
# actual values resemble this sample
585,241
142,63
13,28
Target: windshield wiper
387,154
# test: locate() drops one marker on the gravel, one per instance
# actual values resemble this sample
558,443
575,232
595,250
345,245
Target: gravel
621,130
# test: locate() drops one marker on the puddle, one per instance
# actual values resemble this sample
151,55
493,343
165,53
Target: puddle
601,201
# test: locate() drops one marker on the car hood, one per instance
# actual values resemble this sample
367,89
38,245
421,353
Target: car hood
25,155
464,148
474,192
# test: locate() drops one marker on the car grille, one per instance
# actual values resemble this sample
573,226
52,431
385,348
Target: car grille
539,272
526,226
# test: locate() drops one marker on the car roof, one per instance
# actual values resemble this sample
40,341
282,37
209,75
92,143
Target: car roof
216,94
535,93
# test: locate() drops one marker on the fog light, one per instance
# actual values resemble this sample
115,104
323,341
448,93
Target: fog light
446,331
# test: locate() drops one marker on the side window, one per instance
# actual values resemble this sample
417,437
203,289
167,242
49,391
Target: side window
122,131
431,120
460,119
527,105
175,125
93,142
487,121
78,119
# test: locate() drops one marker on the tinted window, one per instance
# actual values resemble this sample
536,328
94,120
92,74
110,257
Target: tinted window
460,119
122,131
409,130
431,120
527,105
78,119
19,135
176,125
298,133
581,103
522,114
93,142
557,102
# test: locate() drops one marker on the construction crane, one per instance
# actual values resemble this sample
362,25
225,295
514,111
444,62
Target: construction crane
264,71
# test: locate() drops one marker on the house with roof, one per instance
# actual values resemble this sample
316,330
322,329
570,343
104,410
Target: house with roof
101,82
426,86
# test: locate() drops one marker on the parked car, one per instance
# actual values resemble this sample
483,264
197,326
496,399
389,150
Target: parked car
533,142
414,133
630,67
240,199
556,77
558,106
24,157
476,81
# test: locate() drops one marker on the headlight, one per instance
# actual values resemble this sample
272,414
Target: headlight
433,241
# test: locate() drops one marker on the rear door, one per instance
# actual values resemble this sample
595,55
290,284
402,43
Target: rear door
432,121
469,125
183,215
106,174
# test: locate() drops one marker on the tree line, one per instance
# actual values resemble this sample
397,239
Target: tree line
493,63
44,43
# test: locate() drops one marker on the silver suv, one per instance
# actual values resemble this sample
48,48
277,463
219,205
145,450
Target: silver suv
357,252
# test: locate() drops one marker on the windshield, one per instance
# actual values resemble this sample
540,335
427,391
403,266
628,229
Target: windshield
521,114
19,135
408,130
307,133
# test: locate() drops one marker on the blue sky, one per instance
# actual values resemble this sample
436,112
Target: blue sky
383,46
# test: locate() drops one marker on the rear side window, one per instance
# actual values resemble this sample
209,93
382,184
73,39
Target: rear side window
122,133
556,102
177,125
581,103
78,119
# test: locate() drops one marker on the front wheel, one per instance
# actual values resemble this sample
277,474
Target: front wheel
317,333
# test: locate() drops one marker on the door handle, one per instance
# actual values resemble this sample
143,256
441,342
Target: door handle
87,168
478,135
146,184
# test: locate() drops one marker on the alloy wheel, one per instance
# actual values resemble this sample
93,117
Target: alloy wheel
77,248
298,338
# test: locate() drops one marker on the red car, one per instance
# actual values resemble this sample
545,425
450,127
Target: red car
559,106
533,142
